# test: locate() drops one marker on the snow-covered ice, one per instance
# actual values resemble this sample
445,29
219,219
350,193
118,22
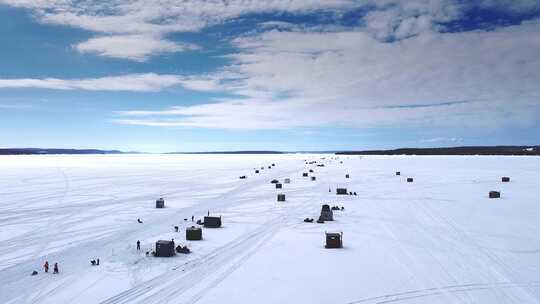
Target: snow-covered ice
439,239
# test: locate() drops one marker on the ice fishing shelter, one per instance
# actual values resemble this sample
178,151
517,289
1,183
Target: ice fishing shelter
278,186
410,179
313,178
212,221
281,197
304,174
341,191
193,233
164,248
287,181
398,173
334,240
256,171
326,213
346,175
160,203
494,194
505,179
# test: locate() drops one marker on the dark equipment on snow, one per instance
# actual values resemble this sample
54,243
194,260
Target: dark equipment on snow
398,173
175,228
505,179
273,165
93,262
310,170
139,221
256,171
34,273
281,197
279,186
409,179
287,181
164,248
341,191
193,233
212,221
304,174
494,194
160,203
274,181
243,177
334,240
354,193
313,178
320,165
184,250
199,222
308,220
346,175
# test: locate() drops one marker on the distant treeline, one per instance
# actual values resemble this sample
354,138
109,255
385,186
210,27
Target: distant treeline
38,151
472,150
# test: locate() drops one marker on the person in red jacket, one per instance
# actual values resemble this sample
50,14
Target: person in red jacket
46,266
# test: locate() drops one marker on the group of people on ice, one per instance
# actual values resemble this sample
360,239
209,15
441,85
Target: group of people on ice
46,268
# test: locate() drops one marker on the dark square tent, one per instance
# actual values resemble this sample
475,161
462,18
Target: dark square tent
281,197
326,213
160,203
165,248
341,191
212,221
193,233
279,186
334,240
494,194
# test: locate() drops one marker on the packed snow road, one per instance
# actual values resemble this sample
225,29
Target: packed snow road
439,239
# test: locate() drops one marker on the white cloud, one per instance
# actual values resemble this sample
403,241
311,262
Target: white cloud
149,82
350,79
135,29
134,47
395,68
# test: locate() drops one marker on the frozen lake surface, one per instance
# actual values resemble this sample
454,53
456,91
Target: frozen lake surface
439,239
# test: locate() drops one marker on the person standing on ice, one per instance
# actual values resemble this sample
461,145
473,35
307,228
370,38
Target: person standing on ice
46,266
55,268
138,245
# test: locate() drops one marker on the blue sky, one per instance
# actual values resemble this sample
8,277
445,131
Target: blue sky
269,75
